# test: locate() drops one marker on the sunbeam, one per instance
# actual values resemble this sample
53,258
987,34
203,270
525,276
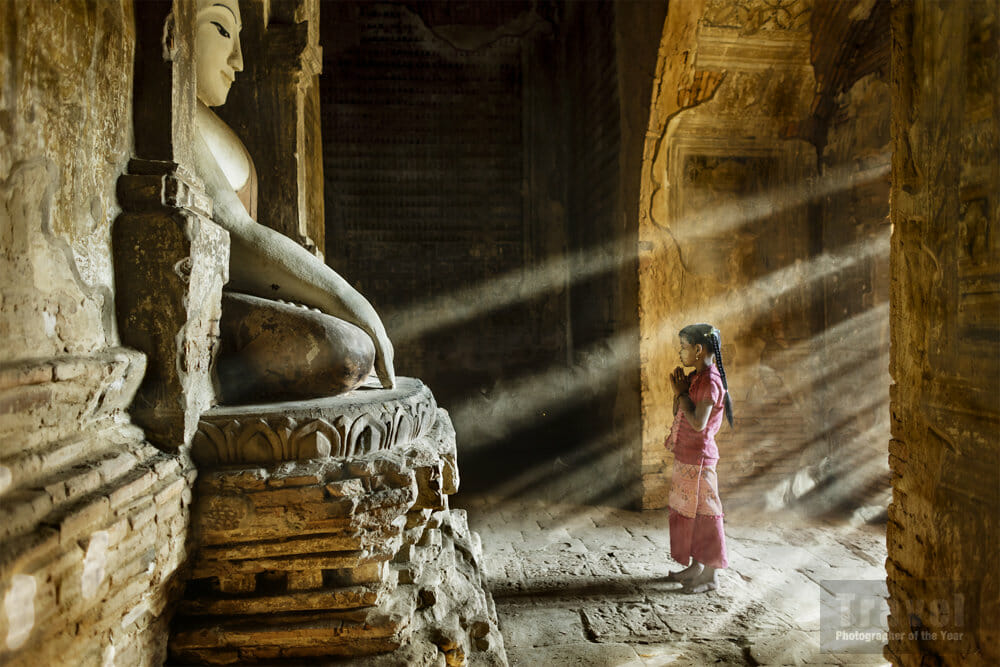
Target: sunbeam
726,218
761,294
466,303
514,404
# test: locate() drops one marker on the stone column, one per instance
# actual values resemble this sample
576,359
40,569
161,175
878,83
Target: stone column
944,586
93,519
170,259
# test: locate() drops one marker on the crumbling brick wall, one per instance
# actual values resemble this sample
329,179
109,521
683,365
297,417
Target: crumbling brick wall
92,518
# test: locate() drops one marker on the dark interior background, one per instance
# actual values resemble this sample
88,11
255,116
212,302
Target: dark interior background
475,145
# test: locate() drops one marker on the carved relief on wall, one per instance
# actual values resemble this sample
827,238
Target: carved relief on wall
978,317
766,94
751,16
713,181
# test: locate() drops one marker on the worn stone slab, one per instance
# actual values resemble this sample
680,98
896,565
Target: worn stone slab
331,629
714,616
504,574
534,626
791,647
630,622
822,572
723,652
330,561
283,547
265,653
646,565
580,654
556,565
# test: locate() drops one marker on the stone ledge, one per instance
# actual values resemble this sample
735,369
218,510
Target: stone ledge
45,401
359,422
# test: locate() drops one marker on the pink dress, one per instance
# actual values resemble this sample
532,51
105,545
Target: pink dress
696,529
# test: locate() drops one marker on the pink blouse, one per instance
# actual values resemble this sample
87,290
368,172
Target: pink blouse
692,446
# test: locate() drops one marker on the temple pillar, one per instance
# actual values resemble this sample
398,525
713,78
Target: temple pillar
170,259
93,517
942,533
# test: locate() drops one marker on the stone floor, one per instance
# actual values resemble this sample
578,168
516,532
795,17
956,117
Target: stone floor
585,586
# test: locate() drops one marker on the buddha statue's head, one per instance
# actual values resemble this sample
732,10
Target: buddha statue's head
217,51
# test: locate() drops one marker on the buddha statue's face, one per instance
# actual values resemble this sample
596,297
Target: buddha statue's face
217,51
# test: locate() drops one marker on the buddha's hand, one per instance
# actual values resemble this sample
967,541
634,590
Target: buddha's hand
350,305
383,359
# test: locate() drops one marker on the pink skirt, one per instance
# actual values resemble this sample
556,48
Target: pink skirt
696,515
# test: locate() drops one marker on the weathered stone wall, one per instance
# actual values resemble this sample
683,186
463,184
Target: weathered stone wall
57,208
945,313
93,518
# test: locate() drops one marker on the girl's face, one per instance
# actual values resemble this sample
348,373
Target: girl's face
687,351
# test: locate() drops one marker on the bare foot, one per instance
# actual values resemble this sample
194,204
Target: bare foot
707,580
687,574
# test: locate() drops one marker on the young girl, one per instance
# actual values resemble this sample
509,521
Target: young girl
700,400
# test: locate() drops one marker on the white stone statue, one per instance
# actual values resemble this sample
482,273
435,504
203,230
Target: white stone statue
313,353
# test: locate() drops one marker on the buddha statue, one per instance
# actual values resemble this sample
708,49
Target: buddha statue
291,327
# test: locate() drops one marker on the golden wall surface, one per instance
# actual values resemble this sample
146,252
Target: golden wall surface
763,211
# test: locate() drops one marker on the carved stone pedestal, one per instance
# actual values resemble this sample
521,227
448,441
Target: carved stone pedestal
324,531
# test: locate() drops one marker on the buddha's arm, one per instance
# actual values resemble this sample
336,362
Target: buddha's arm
268,264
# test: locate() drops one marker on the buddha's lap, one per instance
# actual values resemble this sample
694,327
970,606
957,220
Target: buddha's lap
273,350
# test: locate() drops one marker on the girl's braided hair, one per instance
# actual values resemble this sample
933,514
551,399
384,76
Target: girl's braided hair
708,336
